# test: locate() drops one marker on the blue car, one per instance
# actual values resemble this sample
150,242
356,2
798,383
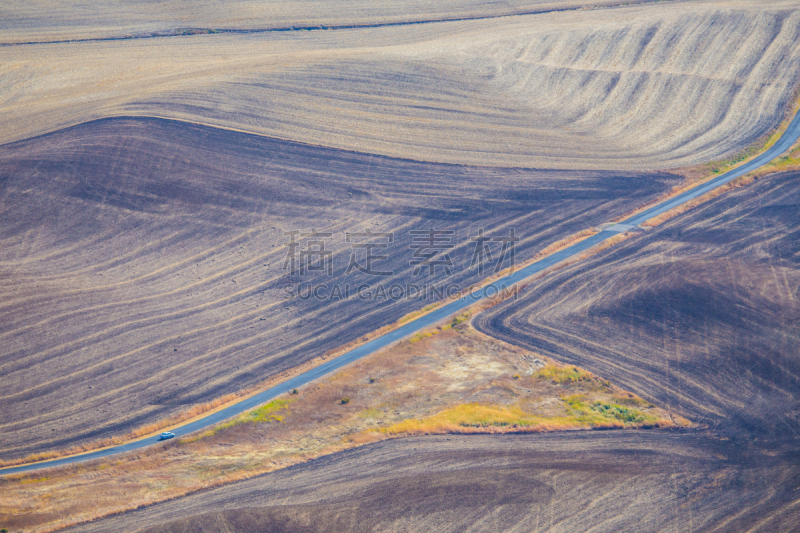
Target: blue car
166,435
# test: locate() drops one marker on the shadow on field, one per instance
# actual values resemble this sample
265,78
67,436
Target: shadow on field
143,262
700,315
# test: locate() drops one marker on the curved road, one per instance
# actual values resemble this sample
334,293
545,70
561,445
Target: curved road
788,139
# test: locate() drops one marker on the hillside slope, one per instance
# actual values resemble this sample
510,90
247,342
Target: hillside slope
700,314
143,262
651,86
571,481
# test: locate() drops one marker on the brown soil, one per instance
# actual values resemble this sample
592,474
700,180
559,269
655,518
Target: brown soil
446,380
646,481
699,313
141,264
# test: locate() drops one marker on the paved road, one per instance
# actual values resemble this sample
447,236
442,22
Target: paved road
788,138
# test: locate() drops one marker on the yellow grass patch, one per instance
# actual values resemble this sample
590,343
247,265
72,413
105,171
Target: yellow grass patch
454,381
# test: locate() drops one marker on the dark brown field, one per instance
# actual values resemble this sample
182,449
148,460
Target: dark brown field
702,316
699,314
598,481
141,261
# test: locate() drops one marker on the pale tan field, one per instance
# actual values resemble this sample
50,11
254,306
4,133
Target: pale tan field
43,20
652,86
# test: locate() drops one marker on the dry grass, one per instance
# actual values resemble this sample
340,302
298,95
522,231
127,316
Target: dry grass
788,162
477,418
450,379
785,163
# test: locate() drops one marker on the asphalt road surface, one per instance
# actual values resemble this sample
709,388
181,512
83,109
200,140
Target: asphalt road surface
788,139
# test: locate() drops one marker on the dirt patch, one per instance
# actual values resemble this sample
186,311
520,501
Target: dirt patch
448,380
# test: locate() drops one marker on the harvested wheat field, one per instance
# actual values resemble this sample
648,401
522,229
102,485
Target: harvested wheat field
143,262
701,316
27,22
637,87
200,200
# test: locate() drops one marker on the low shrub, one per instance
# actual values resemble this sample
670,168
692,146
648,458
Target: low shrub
563,375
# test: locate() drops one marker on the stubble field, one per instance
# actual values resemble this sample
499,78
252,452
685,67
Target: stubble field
143,262
151,160
722,352
653,86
